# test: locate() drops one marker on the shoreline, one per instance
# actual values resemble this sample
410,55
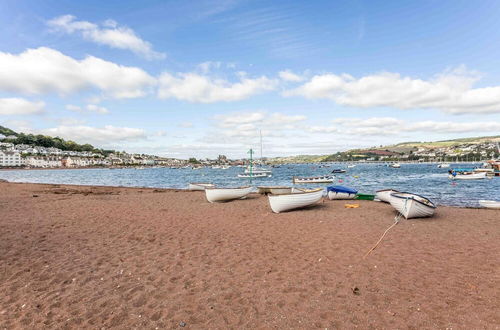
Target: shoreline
179,189
118,257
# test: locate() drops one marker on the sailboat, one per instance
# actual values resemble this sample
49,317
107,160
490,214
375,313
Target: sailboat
259,170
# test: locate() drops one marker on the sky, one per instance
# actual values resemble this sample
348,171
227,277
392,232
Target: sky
202,78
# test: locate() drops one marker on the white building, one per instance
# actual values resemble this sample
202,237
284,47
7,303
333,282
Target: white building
10,158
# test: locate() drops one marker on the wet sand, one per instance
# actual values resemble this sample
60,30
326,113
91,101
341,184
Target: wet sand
100,257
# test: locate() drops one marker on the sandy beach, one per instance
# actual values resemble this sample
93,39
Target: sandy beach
102,257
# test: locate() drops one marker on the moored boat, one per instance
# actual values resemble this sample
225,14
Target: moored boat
490,204
226,194
286,202
365,197
275,190
351,166
341,192
338,170
412,206
395,165
254,175
443,165
384,195
200,185
318,179
467,176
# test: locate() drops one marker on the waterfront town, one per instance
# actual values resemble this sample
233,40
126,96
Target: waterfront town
33,156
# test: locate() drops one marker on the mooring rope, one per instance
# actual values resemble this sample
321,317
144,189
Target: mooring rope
396,221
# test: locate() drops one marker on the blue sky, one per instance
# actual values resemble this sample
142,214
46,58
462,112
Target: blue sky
201,78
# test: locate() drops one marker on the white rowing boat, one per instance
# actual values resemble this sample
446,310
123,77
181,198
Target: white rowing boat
395,165
412,205
254,175
226,194
471,176
275,190
384,195
286,202
490,204
200,185
318,179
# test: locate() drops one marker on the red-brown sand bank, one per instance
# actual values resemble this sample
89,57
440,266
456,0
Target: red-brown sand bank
98,257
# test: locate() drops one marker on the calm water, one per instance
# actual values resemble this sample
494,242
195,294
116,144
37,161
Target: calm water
422,179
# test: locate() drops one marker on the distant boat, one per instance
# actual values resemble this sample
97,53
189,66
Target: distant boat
490,204
341,192
275,190
412,205
257,170
351,166
443,165
318,179
215,167
200,185
226,194
254,175
338,170
395,165
286,202
467,176
384,195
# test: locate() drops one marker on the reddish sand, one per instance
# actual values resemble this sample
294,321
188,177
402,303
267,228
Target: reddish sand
98,257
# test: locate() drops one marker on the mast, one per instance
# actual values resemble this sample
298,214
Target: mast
251,162
260,133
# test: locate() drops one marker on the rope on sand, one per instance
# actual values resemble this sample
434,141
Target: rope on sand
396,221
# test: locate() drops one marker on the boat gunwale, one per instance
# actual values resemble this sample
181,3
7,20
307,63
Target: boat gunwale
413,198
382,190
243,187
297,193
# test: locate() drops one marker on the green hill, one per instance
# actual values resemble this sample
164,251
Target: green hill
49,142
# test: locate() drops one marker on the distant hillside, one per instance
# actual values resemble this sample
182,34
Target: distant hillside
49,142
390,151
6,131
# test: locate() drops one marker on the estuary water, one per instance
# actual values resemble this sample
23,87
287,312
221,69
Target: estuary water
423,179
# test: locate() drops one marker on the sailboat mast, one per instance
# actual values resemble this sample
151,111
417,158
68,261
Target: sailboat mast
260,132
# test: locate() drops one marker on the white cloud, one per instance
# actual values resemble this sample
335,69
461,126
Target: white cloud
193,87
45,70
96,108
88,108
451,91
288,75
382,126
19,106
96,135
109,33
186,124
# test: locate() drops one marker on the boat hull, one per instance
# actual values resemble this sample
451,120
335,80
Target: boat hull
214,195
340,195
411,205
490,204
473,176
287,202
323,179
385,195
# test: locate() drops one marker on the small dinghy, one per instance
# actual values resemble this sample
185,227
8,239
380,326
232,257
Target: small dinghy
467,176
395,165
341,192
490,204
384,195
226,194
275,190
200,185
318,179
412,205
338,170
351,166
254,175
286,202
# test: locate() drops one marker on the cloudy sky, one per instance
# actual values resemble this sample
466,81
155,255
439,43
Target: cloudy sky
200,78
